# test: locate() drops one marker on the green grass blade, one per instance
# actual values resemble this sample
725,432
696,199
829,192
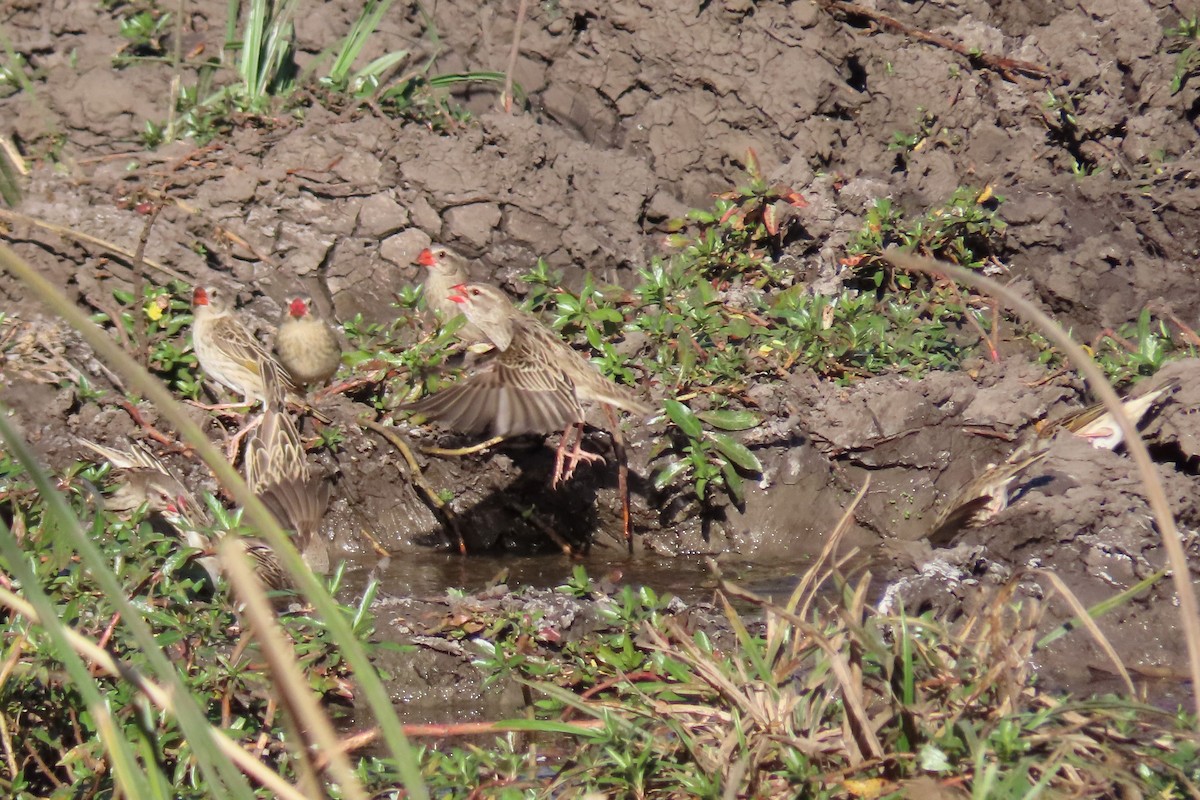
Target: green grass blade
218,771
352,45
10,190
154,391
116,745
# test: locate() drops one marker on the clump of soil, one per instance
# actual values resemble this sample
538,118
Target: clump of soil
635,114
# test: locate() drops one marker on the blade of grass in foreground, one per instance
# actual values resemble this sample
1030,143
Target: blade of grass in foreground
117,746
1156,496
142,382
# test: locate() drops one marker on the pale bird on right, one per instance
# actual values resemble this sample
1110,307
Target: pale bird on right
1097,425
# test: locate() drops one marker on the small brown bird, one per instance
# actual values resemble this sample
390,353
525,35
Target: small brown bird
145,479
228,353
982,498
307,347
447,269
277,470
1097,425
536,383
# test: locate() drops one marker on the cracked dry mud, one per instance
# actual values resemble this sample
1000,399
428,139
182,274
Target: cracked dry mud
639,111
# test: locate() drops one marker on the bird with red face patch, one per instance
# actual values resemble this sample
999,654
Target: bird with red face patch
447,269
306,345
536,383
229,354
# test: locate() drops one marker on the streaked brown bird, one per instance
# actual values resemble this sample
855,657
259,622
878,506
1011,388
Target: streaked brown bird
982,498
447,269
145,479
536,383
306,345
228,353
1097,425
277,470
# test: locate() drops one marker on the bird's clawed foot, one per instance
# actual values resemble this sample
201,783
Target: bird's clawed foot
564,463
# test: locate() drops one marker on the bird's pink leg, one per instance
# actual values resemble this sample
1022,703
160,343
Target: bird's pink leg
564,464
235,442
622,475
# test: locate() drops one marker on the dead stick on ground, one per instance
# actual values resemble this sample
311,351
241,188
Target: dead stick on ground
141,353
455,452
88,239
507,98
417,478
622,475
999,63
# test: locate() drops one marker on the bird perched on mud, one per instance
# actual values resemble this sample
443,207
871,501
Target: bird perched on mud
228,353
982,498
447,269
1097,425
277,471
536,383
307,347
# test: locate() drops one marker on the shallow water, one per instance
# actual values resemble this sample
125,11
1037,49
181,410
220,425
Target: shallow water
686,577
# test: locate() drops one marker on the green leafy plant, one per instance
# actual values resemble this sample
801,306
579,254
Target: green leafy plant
1183,42
145,31
709,458
165,311
965,230
1141,348
745,224
269,86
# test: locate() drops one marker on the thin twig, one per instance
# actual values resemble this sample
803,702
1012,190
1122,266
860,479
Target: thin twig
417,478
618,442
455,452
1006,66
88,239
506,98
141,352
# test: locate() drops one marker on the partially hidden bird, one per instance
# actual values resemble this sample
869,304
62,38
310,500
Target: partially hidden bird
535,383
1097,425
278,472
306,345
447,269
146,479
982,498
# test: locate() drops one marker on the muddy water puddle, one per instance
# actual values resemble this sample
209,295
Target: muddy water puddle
689,578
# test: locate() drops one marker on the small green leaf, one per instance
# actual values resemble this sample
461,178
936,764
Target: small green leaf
730,420
593,336
668,474
683,416
606,314
738,328
733,482
736,452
